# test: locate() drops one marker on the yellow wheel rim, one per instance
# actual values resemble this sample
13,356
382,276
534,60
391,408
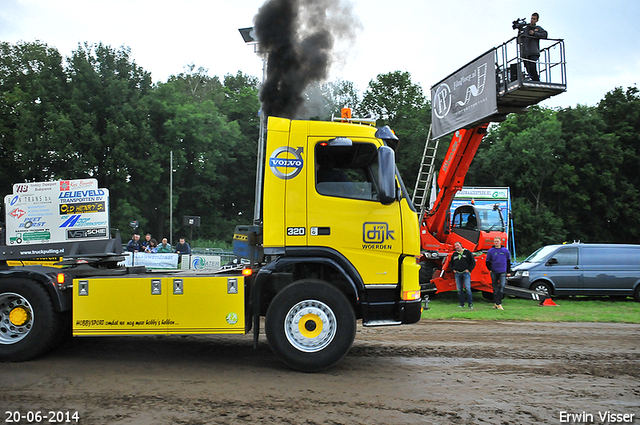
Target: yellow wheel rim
19,316
310,326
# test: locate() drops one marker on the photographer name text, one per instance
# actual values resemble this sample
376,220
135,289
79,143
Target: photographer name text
599,418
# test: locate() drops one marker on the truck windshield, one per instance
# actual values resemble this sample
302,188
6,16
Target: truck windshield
541,254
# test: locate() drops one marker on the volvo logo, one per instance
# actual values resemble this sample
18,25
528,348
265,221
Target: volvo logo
286,162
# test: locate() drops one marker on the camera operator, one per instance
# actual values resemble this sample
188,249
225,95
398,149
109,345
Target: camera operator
529,36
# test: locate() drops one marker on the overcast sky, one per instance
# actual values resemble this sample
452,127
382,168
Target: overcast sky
428,38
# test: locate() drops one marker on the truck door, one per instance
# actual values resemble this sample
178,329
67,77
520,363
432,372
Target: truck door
345,213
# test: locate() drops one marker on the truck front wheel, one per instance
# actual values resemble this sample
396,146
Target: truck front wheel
29,324
310,325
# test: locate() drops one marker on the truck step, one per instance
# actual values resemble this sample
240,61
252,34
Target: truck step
372,323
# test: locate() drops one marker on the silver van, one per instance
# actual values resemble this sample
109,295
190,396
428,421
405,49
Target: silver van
581,269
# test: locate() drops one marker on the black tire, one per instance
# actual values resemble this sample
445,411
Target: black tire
487,295
636,294
426,272
29,325
543,287
328,330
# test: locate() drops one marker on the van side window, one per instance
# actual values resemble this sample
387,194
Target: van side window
567,257
610,256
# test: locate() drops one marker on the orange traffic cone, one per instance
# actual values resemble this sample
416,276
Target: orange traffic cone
548,301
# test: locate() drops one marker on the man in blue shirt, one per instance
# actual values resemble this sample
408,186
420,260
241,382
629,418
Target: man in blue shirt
499,264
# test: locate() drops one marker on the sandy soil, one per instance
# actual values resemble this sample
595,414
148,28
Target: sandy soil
431,373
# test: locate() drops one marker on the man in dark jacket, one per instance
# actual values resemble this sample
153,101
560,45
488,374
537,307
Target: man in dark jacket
462,262
134,244
530,43
183,247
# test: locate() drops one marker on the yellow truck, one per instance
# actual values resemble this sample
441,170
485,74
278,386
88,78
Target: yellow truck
337,242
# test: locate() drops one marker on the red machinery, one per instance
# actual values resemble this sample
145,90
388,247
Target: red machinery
474,227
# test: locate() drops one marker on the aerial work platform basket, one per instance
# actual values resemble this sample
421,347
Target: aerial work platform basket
515,88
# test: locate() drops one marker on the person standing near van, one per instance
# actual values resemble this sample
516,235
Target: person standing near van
499,264
462,262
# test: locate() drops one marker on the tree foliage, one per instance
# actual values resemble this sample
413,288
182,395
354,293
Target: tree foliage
401,104
98,115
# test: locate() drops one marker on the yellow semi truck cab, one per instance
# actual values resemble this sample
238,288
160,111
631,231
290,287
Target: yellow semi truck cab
336,219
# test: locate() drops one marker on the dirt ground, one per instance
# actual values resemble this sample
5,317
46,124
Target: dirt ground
432,373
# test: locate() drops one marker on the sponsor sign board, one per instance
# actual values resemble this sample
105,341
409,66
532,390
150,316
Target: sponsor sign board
54,186
484,196
466,97
200,262
151,260
59,211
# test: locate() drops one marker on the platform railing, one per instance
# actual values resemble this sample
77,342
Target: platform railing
551,65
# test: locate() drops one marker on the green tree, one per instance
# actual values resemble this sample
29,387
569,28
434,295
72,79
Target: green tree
188,115
110,131
602,145
241,106
402,105
525,153
33,122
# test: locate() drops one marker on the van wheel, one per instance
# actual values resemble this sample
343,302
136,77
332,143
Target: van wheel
29,325
636,294
310,325
543,287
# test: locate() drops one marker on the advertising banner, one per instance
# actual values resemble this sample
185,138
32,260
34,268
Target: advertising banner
60,211
151,260
54,186
466,97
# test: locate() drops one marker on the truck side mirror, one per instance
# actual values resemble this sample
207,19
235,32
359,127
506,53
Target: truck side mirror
552,261
387,174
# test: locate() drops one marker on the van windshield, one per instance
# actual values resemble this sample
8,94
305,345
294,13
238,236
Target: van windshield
541,254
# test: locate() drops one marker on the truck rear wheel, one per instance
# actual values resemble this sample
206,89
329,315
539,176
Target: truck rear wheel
29,325
310,325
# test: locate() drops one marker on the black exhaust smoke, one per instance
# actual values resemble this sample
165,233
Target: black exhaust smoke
298,36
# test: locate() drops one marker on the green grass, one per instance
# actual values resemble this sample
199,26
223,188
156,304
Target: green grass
569,309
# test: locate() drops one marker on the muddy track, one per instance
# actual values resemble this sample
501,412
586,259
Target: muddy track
431,372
